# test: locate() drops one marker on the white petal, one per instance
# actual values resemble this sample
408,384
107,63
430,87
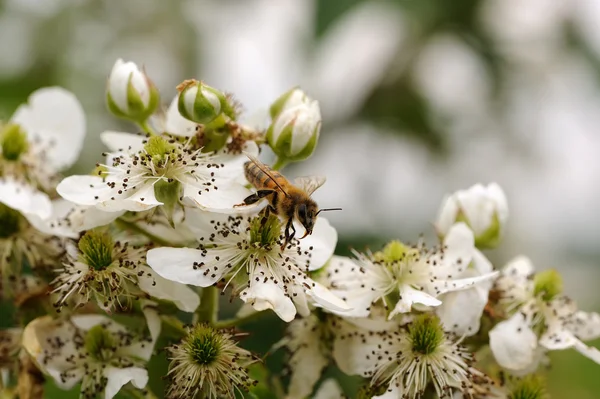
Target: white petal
410,296
513,343
447,215
521,266
181,295
556,337
268,295
477,207
89,321
122,142
460,312
55,118
177,264
496,194
85,218
221,200
329,389
117,378
325,299
481,263
353,349
323,241
586,326
588,351
142,200
460,246
25,199
176,124
442,286
82,189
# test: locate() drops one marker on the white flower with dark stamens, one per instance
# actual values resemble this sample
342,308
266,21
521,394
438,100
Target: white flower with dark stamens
483,208
403,276
20,204
114,274
405,362
208,364
93,349
43,137
162,172
541,318
246,253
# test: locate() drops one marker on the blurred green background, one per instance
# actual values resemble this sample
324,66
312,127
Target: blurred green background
419,98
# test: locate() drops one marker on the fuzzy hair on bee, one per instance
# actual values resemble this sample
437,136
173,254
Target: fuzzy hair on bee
286,200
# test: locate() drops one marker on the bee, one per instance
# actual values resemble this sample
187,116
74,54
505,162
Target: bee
287,200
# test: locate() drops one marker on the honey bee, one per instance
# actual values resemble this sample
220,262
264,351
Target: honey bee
286,200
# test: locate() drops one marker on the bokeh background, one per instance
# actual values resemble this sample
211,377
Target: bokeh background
419,98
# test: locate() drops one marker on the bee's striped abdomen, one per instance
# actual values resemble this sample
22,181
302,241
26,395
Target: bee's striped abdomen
262,180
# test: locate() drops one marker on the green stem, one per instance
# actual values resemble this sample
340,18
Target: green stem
126,225
209,305
233,322
280,163
146,128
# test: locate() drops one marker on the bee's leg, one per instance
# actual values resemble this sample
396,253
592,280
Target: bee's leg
288,237
266,212
257,196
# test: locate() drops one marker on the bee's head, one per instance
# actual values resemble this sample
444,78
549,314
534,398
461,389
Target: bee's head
307,215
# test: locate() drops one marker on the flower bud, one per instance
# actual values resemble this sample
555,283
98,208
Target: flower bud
483,209
131,94
13,141
294,133
289,99
201,103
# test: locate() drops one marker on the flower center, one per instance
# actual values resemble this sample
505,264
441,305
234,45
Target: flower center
158,148
13,141
394,251
9,221
99,343
204,346
547,284
96,249
265,233
529,387
425,334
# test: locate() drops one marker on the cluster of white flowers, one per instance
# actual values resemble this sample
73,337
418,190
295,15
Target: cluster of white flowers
105,267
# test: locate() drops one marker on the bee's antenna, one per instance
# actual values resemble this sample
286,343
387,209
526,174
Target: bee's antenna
329,209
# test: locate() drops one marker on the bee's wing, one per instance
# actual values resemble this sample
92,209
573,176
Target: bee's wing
309,183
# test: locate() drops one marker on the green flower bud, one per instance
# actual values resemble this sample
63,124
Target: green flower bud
13,141
294,133
289,99
131,94
547,284
201,103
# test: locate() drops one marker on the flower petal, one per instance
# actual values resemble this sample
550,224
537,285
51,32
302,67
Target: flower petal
322,240
176,124
585,326
181,295
326,299
82,189
460,312
329,389
410,296
447,215
513,343
268,295
25,199
177,264
588,351
221,200
117,378
353,349
443,286
54,117
120,141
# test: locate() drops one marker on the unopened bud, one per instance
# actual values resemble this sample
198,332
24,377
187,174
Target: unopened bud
13,141
131,94
201,103
289,99
483,208
294,132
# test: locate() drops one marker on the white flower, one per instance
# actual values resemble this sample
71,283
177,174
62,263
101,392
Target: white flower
404,276
483,209
294,133
93,349
113,274
308,340
460,311
542,319
130,94
208,364
143,174
51,127
20,207
402,363
247,253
